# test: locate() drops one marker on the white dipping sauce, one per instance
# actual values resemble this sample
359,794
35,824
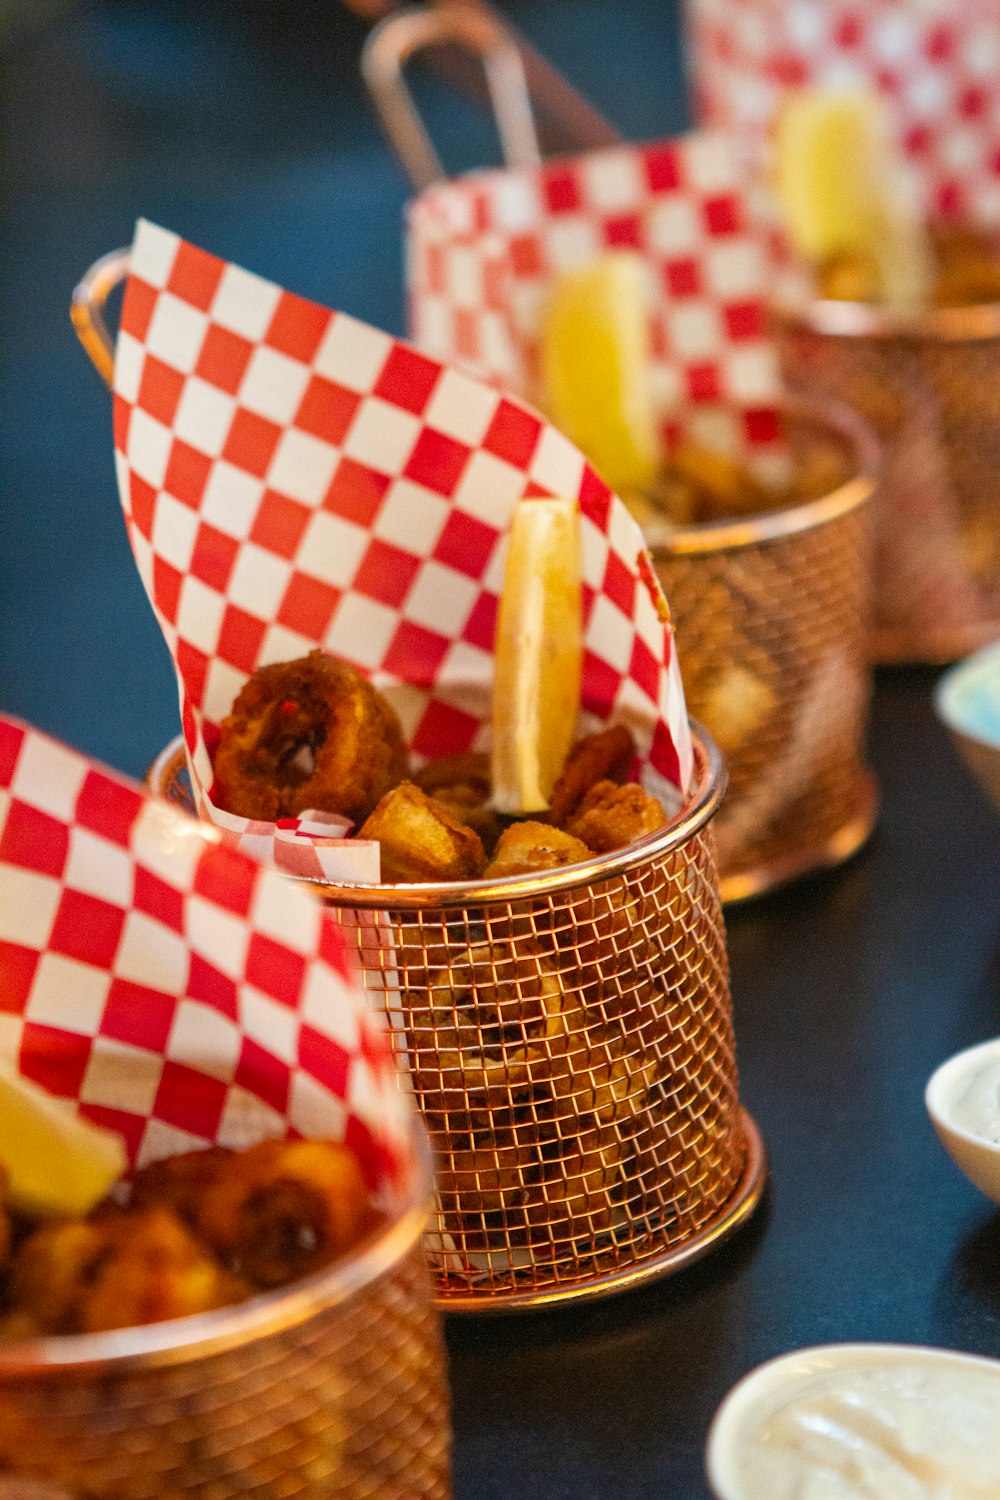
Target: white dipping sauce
861,1422
973,1102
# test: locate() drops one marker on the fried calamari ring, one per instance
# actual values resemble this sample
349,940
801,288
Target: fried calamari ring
311,733
283,1209
421,839
529,846
604,756
612,817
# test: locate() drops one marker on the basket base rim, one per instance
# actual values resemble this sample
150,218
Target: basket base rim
907,646
847,840
732,1216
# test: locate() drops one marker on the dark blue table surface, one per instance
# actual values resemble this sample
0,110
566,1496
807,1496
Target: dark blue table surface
242,125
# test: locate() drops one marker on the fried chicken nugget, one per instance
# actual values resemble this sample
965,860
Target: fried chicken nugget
311,733
604,756
611,817
422,839
529,846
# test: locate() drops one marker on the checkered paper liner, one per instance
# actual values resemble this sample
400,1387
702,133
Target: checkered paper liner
168,986
937,61
292,478
483,250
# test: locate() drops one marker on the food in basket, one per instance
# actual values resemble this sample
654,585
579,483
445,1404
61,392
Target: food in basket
51,1161
965,270
308,734
421,838
185,1235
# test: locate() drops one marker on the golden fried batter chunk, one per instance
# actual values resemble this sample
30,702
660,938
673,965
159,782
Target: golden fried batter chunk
283,1209
117,1271
422,839
528,846
311,733
604,756
611,817
462,783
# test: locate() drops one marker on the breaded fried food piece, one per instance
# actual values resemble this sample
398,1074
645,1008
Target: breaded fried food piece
117,1271
603,756
311,733
422,839
611,817
528,846
462,783
283,1209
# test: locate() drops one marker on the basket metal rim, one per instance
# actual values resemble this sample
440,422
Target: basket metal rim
869,320
768,526
178,1341
734,1213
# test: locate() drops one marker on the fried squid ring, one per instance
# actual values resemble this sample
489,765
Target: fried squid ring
311,733
283,1209
495,1021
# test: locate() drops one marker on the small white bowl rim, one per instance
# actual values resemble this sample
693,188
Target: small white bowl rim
944,1076
732,1409
983,665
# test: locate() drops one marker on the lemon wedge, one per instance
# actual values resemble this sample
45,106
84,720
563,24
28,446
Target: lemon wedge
594,367
55,1163
538,655
843,189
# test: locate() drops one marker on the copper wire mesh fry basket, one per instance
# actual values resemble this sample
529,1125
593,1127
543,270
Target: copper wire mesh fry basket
333,1386
569,1036
772,617
929,384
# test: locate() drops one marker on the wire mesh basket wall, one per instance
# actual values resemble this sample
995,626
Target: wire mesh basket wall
929,384
772,619
569,1037
335,1385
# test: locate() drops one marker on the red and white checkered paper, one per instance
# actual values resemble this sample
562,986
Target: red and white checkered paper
171,988
294,478
937,61
483,251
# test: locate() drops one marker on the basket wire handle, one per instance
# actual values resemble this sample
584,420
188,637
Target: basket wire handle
395,40
90,296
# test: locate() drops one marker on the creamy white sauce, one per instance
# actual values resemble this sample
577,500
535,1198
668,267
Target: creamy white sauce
920,1429
973,1102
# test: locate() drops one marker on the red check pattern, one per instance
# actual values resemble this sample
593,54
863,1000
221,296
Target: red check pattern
293,478
167,985
482,252
939,64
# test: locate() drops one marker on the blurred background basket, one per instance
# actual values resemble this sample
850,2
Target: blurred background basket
929,384
334,1386
570,1040
772,617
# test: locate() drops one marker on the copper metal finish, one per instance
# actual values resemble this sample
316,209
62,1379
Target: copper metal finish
569,1036
929,384
771,613
333,1387
400,36
90,296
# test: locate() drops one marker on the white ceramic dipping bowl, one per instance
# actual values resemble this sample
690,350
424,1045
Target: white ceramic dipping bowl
928,1387
967,700
963,1124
